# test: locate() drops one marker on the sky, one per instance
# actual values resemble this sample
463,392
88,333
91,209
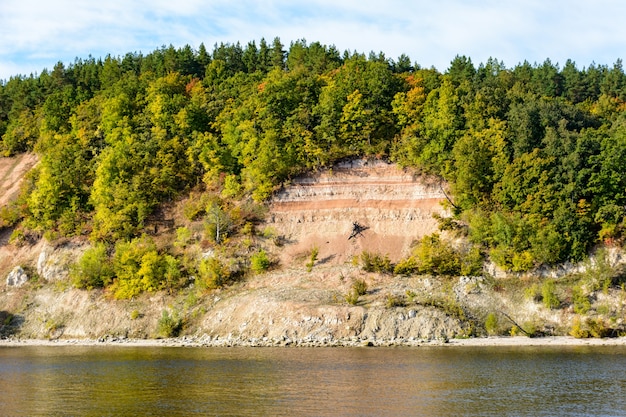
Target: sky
36,34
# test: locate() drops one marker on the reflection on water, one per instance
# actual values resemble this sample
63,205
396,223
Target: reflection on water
428,381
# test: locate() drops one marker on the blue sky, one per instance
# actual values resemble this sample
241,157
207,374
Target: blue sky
35,34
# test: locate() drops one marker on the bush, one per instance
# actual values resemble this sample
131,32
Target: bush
212,273
313,257
548,293
352,297
169,325
577,330
580,300
138,267
434,256
407,266
260,262
183,237
533,293
591,328
359,286
392,300
372,262
491,324
93,269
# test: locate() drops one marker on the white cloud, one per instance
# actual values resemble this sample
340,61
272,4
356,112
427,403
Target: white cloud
34,34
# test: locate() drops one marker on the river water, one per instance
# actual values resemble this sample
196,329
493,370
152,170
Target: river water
420,381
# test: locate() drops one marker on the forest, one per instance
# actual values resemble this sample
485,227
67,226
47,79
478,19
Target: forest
535,155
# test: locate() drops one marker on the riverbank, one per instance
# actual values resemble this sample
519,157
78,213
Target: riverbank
205,341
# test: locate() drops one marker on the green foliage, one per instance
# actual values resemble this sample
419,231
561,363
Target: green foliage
139,267
548,294
491,324
169,325
93,269
232,187
183,237
373,262
212,273
592,327
580,300
599,273
577,329
393,300
533,293
312,258
406,266
352,297
359,286
260,262
218,221
10,215
432,255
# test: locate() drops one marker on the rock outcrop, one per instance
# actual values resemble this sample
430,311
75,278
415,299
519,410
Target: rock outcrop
17,277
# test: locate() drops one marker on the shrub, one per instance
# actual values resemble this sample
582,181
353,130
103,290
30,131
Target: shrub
472,261
268,232
372,262
533,293
491,324
392,300
352,297
169,325
434,256
597,328
312,259
359,286
548,293
248,229
10,214
577,330
93,269
232,187
260,262
172,273
212,273
138,267
406,266
183,237
580,300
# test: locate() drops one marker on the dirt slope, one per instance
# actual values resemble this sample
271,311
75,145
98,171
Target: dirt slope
12,171
319,210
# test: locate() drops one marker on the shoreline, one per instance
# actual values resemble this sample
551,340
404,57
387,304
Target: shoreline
207,342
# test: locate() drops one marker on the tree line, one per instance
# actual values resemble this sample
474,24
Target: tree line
535,155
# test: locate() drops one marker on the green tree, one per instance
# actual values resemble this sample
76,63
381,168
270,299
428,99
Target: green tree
139,267
93,269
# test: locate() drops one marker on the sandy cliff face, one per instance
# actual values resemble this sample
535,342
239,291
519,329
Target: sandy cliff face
319,210
12,171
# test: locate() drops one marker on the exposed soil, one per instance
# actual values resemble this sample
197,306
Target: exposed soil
396,206
12,171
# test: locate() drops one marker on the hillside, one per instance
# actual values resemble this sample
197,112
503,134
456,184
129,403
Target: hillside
291,305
